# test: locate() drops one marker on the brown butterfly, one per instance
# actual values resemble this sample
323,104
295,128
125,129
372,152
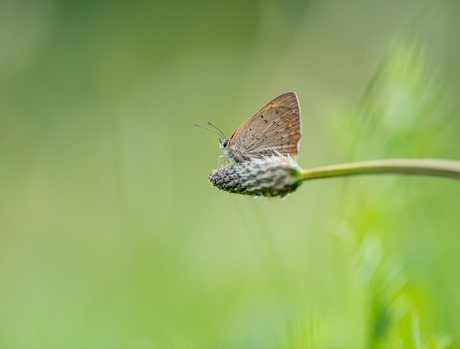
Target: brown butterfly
273,130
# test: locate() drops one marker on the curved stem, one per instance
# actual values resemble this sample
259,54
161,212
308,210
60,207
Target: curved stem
423,167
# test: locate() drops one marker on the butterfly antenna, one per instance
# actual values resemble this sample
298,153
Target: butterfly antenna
210,129
217,128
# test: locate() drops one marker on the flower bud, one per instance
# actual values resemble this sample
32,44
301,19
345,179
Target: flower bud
271,176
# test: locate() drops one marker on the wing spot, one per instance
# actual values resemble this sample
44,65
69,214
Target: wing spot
293,143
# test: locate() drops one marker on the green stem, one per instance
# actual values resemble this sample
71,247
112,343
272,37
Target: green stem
423,167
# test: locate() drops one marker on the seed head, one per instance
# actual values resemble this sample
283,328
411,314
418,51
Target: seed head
271,176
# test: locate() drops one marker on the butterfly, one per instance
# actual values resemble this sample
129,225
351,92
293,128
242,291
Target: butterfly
273,130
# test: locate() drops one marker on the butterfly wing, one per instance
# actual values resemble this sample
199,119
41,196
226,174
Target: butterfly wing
275,129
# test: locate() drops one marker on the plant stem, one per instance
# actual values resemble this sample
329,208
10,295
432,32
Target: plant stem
423,167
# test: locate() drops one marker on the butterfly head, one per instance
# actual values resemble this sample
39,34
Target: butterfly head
225,147
224,144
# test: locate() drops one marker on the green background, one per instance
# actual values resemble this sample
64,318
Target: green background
110,233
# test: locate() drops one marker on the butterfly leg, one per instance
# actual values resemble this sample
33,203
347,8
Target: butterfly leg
224,157
227,159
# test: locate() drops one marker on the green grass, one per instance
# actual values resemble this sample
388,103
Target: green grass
112,237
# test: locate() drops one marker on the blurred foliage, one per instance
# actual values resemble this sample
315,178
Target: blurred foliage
111,236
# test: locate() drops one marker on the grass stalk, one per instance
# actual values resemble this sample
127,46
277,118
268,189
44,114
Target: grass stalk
422,167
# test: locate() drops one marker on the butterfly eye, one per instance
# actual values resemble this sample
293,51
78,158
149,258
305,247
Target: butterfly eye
225,143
